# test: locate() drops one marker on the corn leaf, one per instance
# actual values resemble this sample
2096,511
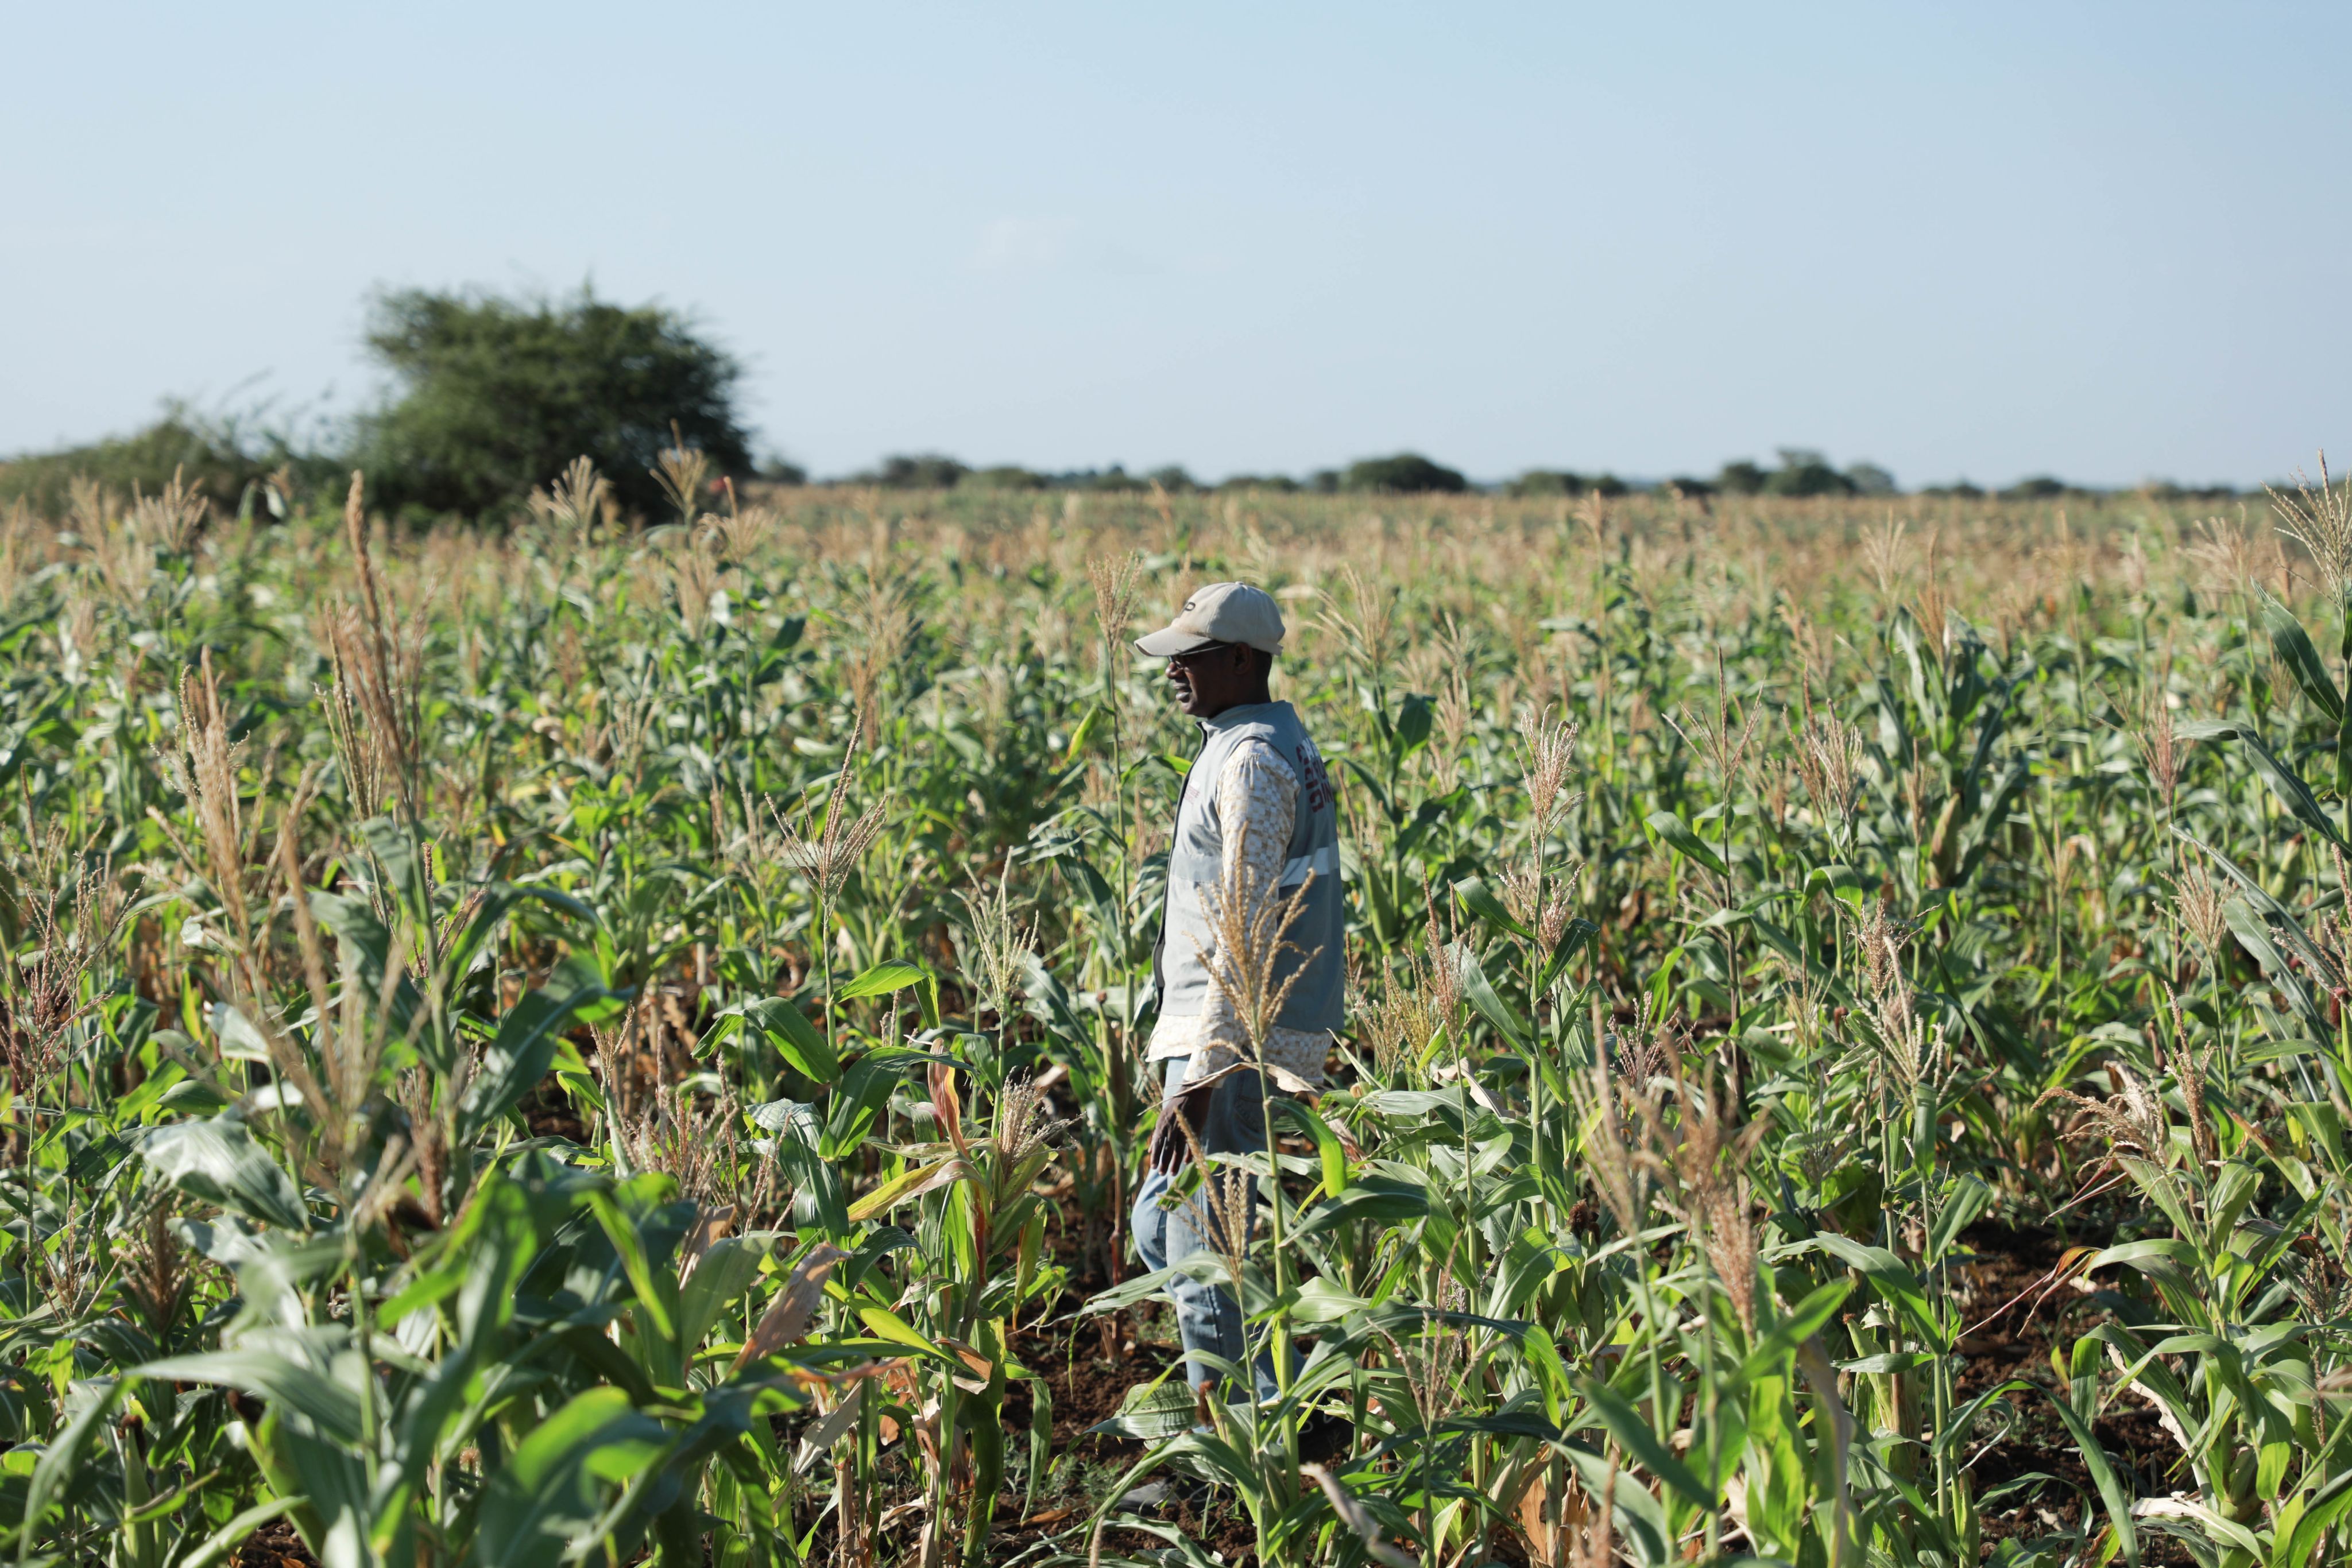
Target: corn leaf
217,1161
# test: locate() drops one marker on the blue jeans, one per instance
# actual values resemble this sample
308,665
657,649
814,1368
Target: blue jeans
1208,1318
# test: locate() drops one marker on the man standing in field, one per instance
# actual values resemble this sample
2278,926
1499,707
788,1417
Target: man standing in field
1255,823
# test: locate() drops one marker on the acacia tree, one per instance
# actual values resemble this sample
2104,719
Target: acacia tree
494,396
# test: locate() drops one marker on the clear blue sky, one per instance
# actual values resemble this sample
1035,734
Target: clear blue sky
2108,242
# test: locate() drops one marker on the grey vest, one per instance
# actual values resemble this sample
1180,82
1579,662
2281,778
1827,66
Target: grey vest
1315,947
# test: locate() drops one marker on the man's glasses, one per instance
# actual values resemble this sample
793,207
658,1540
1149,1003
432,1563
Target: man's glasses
1187,657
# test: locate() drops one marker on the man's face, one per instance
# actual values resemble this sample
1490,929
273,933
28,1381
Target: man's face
1208,680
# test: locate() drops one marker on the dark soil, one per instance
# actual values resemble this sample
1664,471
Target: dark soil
274,1545
2013,1270
548,1112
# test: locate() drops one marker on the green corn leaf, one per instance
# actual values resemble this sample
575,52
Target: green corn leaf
1634,1434
1095,891
819,1198
1963,1422
1842,882
2274,1456
496,902
1485,1002
1127,1294
2253,933
1480,900
338,1516
1327,1147
367,945
1780,1343
655,1296
1551,1372
1572,939
1041,1439
327,1403
1893,1281
16,742
1978,835
721,1277
2226,1534
912,1182
890,974
884,1324
897,975
857,1099
517,1057
61,1460
398,851
2286,783
1152,1411
2103,1474
1677,833
545,1499
1385,1199
236,1036
786,1029
1322,1300
2295,650
1636,1511
217,1160
1966,1198
2326,1508
2288,928
1412,722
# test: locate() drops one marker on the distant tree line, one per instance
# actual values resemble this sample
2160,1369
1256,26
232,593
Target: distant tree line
1800,472
489,398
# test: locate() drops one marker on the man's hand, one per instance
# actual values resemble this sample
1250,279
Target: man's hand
1170,1148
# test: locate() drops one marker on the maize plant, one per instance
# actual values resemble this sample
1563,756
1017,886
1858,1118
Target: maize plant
627,1039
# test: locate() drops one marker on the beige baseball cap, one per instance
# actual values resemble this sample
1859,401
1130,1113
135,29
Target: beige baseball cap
1219,612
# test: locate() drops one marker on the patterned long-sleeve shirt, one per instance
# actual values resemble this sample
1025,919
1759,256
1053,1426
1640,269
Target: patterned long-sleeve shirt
1258,803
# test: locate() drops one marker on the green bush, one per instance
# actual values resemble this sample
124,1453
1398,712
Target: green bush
915,471
1740,478
1406,474
1806,473
1870,479
1562,482
2040,488
1547,482
207,454
496,396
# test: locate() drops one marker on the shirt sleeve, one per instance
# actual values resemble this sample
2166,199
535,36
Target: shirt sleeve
1257,804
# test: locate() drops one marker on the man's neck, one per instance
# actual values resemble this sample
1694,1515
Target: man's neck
1260,699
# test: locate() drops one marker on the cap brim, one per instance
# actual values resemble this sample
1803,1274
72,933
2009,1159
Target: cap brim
1169,642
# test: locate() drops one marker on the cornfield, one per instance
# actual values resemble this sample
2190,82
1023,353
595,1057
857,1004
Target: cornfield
623,1039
